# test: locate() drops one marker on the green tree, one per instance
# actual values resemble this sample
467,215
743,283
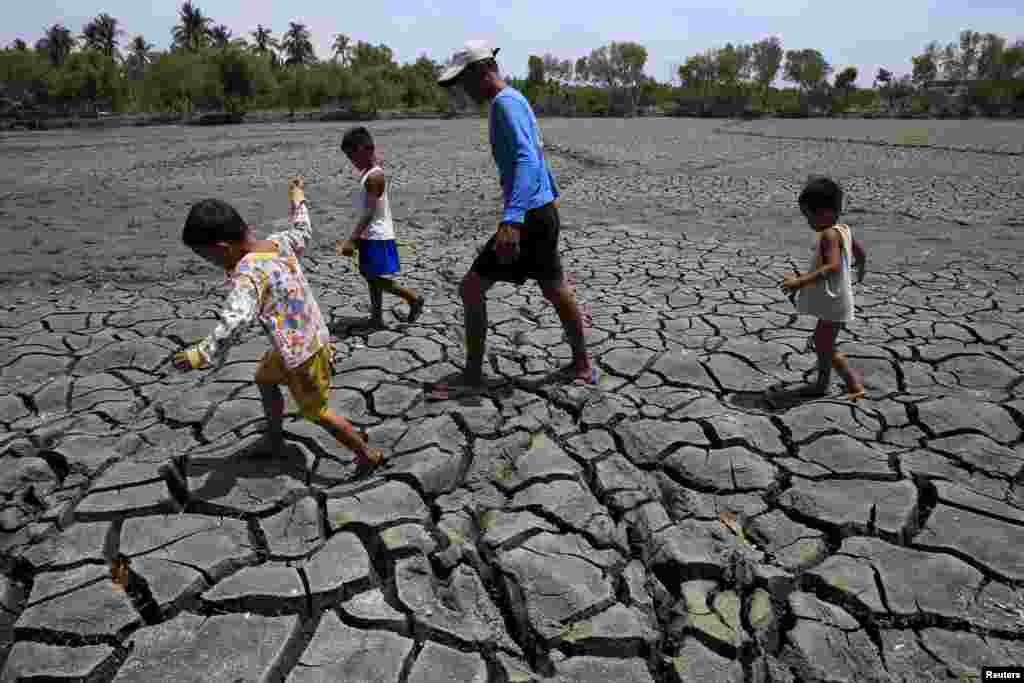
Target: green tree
926,64
265,45
263,41
25,74
19,45
192,32
174,79
342,48
845,83
1013,61
294,86
220,37
57,44
618,66
87,76
102,34
807,68
581,70
243,75
766,59
297,45
970,44
699,73
140,55
631,59
421,89
990,57
535,79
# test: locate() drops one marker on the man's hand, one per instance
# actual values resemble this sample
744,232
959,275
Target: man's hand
506,243
345,247
182,362
792,282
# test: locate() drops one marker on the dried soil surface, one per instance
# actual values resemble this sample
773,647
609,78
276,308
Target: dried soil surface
669,524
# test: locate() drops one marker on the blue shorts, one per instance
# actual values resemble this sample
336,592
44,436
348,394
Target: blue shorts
378,257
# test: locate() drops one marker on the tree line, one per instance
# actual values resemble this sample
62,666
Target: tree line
206,66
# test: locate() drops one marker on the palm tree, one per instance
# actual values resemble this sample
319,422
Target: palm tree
193,29
342,48
264,40
265,43
102,34
57,44
220,36
140,55
19,45
298,45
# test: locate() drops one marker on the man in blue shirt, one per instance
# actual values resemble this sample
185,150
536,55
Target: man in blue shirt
525,246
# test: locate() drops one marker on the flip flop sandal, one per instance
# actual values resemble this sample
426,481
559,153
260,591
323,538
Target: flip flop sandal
591,380
444,392
569,373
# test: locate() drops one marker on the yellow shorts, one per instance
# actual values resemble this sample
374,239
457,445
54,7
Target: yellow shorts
309,384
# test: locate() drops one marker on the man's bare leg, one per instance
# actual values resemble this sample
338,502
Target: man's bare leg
563,299
474,304
273,406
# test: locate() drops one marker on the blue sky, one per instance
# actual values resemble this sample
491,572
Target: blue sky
863,33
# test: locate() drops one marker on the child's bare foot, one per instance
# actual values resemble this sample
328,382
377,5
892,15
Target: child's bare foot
855,392
368,460
415,309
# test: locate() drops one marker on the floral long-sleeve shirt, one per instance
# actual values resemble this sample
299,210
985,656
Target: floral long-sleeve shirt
272,288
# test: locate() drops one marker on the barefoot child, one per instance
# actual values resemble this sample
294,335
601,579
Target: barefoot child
374,234
826,292
268,285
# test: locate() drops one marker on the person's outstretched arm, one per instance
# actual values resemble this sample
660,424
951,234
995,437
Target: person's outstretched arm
300,234
238,313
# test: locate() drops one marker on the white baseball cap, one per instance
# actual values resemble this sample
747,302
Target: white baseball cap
475,51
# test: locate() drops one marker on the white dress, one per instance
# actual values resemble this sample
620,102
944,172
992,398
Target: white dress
830,297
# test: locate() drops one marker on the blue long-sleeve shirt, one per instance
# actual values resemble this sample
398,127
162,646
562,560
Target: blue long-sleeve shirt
526,179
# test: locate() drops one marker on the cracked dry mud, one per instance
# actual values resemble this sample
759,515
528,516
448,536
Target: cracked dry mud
664,526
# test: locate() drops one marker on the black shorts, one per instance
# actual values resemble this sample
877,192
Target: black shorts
538,251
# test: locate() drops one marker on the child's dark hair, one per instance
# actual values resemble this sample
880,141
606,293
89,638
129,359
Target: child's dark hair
211,221
822,193
357,137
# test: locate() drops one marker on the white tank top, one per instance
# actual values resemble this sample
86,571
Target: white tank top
831,297
381,227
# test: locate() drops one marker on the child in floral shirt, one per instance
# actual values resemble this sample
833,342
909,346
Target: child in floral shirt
268,285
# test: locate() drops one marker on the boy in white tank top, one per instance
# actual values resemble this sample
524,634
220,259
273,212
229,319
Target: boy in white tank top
374,234
826,291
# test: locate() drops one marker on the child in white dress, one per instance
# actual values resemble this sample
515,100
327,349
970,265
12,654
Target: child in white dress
826,291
